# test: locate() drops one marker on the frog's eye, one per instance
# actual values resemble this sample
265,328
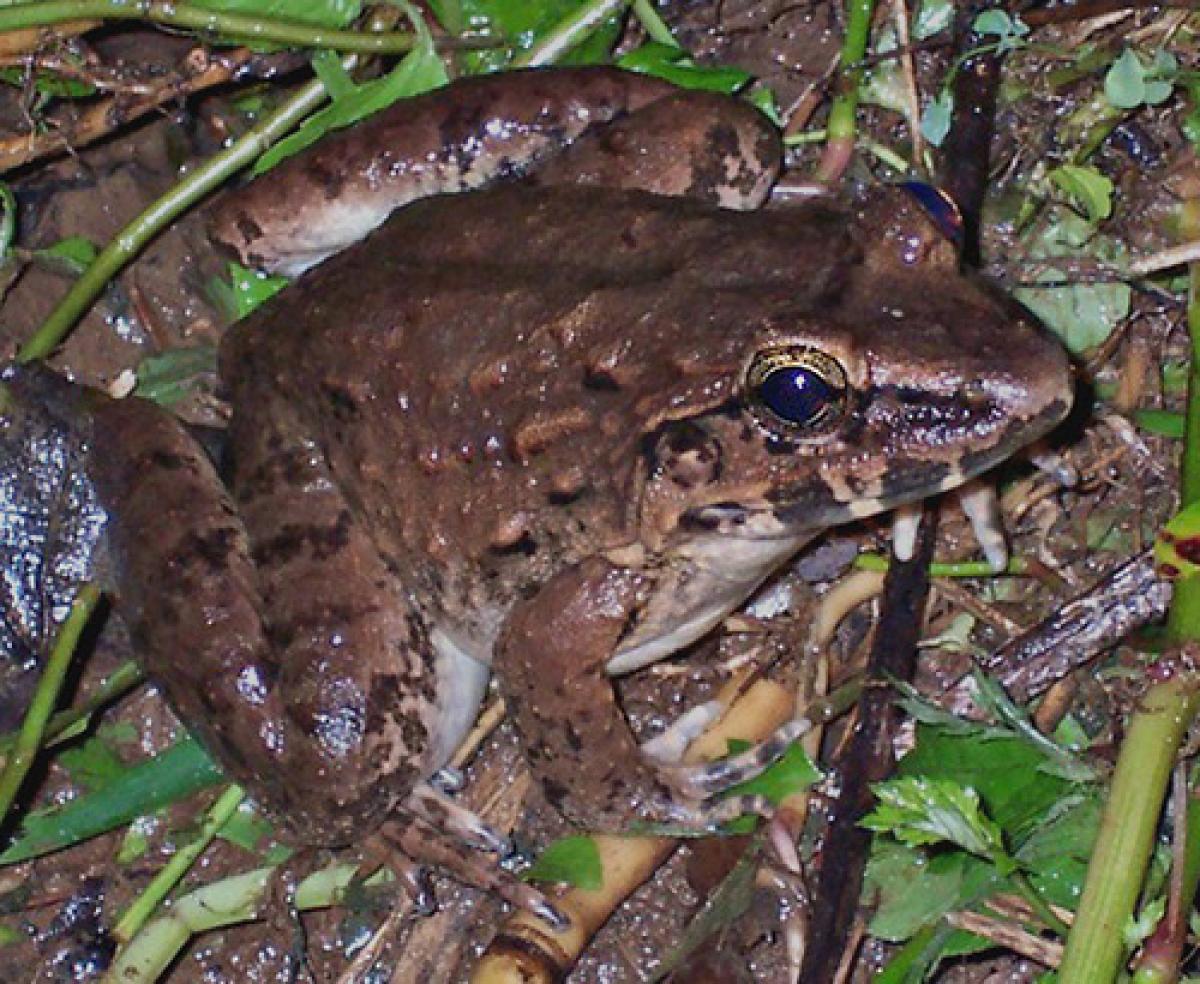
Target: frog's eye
802,387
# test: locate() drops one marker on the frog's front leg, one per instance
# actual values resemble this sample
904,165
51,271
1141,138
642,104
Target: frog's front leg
550,661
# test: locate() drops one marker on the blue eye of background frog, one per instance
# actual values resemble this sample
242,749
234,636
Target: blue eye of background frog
798,394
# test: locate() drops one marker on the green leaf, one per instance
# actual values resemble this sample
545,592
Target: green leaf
918,812
1088,187
8,219
1056,853
520,25
1006,772
245,291
1138,928
572,861
1160,78
49,84
913,890
92,764
933,17
1008,30
1082,315
181,770
418,71
1177,547
74,252
792,773
168,378
935,120
1124,85
247,828
675,65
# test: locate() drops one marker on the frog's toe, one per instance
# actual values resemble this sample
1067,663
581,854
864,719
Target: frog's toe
701,780
425,844
437,809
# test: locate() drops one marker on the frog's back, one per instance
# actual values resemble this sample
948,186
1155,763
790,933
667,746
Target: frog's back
482,370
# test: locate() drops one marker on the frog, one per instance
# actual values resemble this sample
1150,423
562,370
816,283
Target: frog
537,423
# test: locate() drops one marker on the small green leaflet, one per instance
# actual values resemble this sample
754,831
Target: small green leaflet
245,291
935,120
1088,187
1008,30
168,378
1177,547
8,219
918,812
572,861
74,252
1129,83
48,83
676,65
1082,315
792,773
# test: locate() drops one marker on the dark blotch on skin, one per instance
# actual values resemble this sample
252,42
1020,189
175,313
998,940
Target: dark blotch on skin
342,402
213,547
322,542
247,228
905,476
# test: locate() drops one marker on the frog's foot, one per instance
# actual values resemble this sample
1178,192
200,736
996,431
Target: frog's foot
705,779
425,844
438,810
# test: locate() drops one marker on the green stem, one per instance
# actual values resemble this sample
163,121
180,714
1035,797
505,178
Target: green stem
225,903
842,114
571,32
46,695
960,568
173,871
188,15
1161,954
67,723
1095,949
656,29
133,238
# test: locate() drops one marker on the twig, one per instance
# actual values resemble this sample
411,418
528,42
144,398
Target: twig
134,237
527,950
867,760
33,38
104,117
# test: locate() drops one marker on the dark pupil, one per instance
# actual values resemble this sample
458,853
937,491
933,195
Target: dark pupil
796,394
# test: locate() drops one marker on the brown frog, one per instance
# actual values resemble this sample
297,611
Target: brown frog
556,430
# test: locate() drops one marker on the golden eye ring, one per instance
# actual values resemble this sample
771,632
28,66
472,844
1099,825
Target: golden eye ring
799,387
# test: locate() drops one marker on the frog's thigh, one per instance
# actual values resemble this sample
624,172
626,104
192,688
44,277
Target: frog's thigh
183,581
356,664
550,664
689,144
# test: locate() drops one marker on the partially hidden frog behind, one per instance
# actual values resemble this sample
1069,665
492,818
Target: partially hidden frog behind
556,431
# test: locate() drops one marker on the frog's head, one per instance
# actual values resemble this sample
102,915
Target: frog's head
891,397
826,426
